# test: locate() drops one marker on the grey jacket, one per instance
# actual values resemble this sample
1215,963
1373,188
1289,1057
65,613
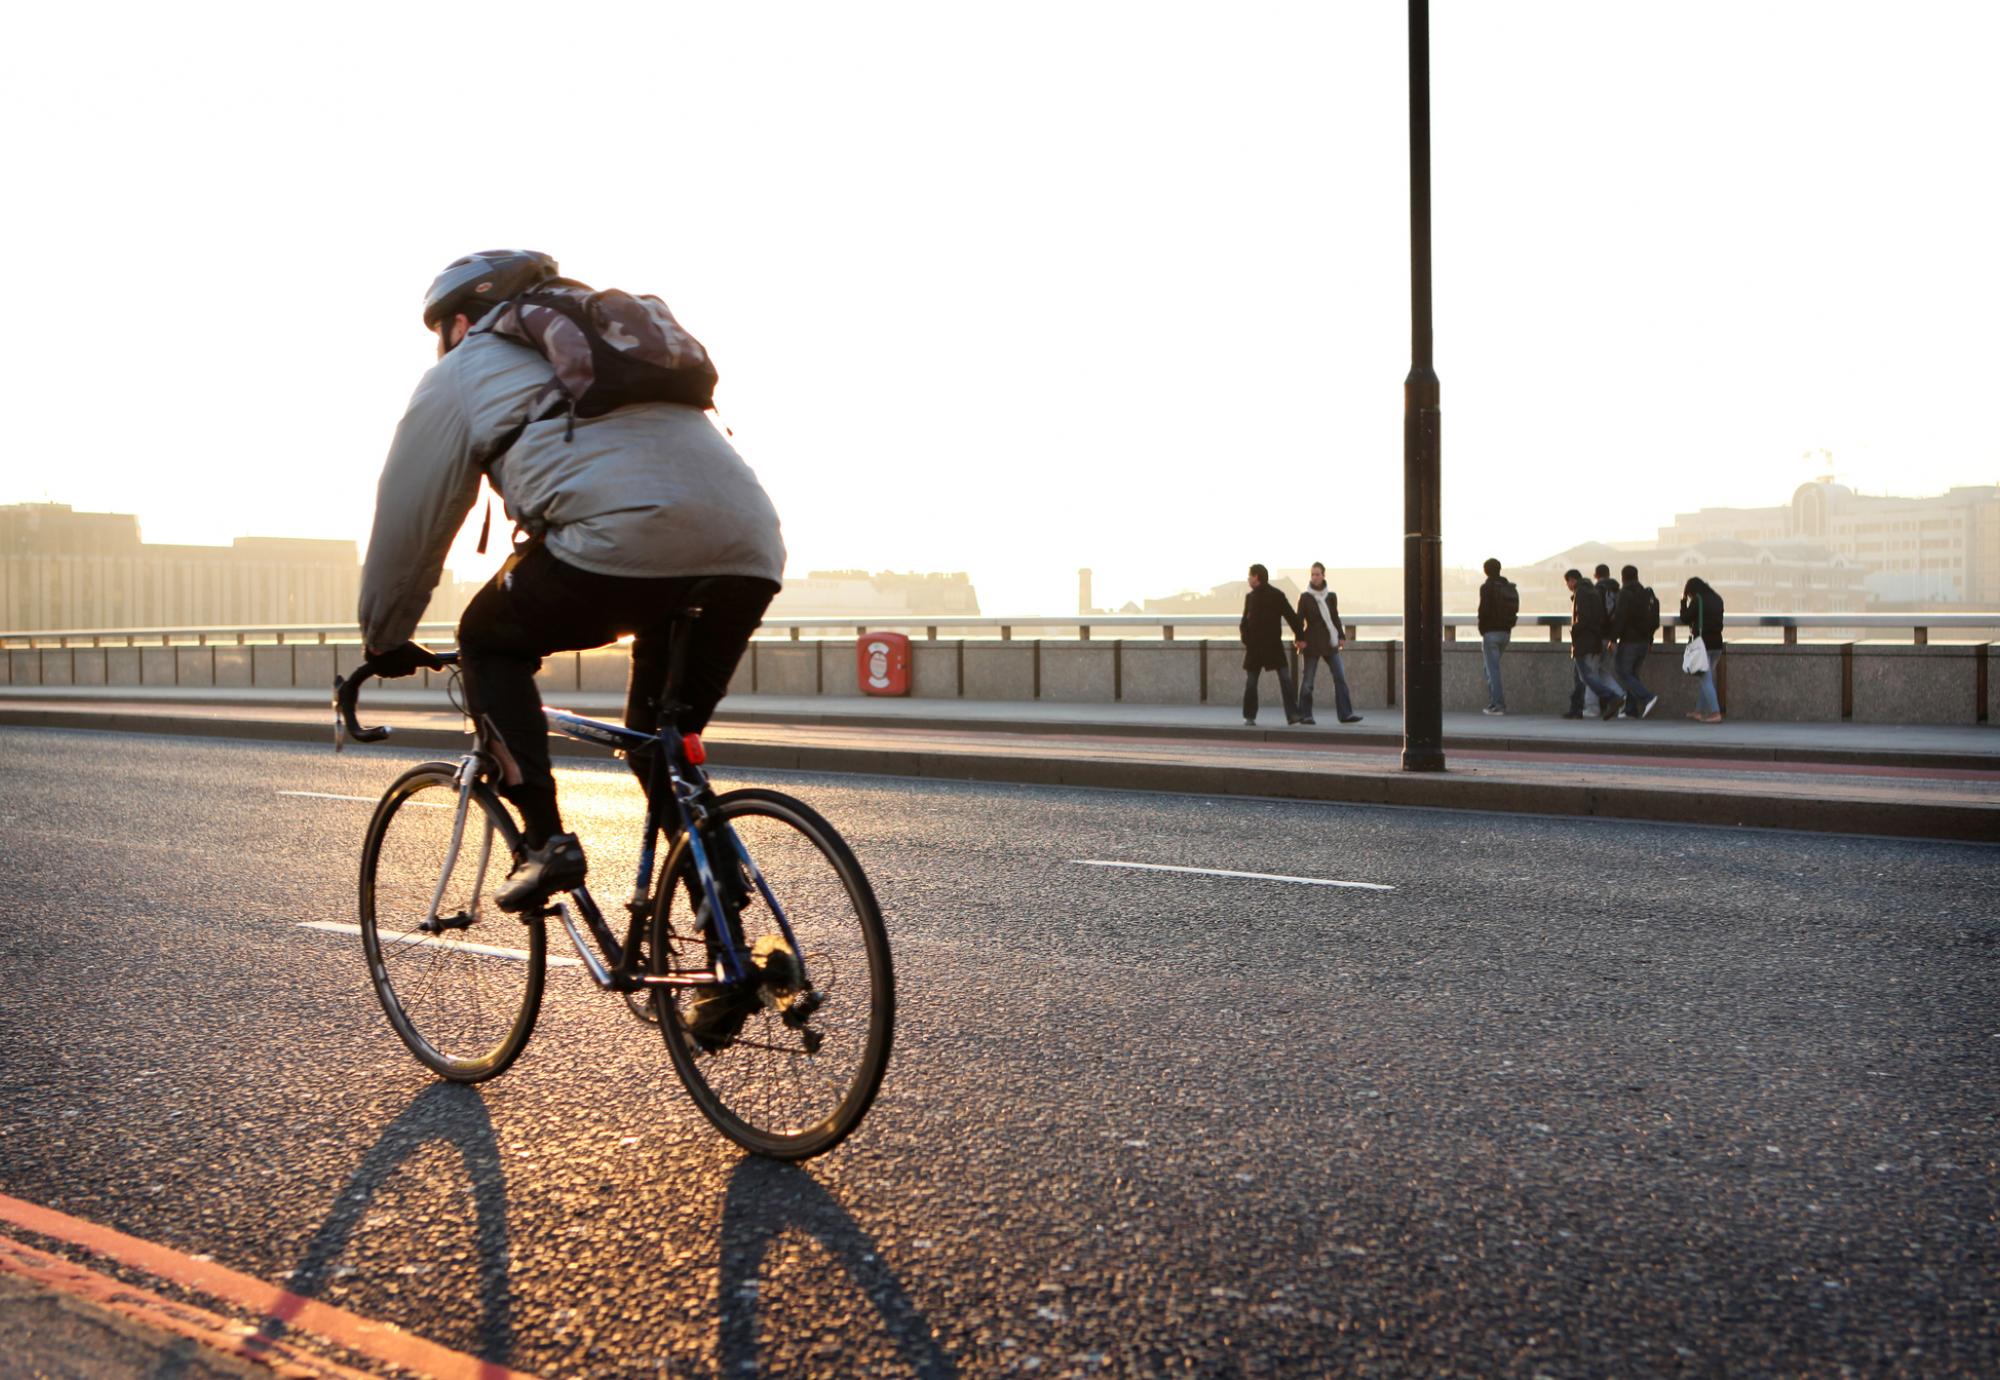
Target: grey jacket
648,490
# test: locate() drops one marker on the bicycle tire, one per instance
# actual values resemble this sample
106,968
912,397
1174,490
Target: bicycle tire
463,1006
838,925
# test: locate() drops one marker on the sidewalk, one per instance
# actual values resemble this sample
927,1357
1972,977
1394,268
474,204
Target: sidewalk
1905,780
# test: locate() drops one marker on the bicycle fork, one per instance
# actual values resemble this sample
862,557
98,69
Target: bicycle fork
433,923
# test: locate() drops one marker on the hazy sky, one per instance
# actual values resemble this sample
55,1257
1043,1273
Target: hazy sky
1015,288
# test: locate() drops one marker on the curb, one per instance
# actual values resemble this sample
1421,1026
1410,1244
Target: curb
1616,743
1449,790
1371,737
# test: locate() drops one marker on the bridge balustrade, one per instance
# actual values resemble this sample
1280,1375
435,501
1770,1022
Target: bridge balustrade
1780,667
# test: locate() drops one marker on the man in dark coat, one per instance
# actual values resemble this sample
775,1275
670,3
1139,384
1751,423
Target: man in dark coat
1499,611
1587,624
1633,623
1265,610
1606,662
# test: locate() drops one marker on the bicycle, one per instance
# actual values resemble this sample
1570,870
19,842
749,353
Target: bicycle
801,953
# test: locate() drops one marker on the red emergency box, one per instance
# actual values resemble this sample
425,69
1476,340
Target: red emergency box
883,663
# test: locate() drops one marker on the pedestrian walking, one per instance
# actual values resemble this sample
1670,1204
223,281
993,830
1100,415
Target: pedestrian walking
1499,611
1701,614
1586,645
1319,610
1607,589
1265,610
1633,622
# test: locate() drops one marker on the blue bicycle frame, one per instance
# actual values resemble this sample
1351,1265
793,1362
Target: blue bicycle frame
687,788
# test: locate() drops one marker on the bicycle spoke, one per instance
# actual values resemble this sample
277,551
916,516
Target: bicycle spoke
773,1088
462,1011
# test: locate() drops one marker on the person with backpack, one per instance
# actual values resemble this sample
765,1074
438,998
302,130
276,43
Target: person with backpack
1499,611
584,411
1587,624
1634,620
1701,615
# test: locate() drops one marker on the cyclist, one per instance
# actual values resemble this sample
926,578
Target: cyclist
630,511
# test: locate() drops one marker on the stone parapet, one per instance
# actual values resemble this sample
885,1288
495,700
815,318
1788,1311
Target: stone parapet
1759,681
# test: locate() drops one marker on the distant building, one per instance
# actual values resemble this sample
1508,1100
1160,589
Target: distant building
64,569
886,594
1940,550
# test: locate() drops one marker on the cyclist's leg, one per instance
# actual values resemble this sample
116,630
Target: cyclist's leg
537,607
731,608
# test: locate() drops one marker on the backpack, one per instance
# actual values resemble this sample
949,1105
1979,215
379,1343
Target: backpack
1507,599
609,349
1649,616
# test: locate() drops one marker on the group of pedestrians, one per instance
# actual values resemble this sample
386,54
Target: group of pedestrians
1317,635
1612,624
1612,627
1610,632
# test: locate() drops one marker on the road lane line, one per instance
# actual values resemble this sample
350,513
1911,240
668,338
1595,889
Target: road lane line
366,799
278,1309
210,1331
1221,872
431,941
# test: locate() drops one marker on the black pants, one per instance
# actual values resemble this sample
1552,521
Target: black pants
1250,678
542,606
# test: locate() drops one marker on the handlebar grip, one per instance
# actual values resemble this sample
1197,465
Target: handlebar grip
346,692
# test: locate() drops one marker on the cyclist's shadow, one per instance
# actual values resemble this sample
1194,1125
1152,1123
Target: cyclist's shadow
456,1116
765,1200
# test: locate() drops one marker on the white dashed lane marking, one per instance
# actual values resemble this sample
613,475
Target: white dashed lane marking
485,950
1221,872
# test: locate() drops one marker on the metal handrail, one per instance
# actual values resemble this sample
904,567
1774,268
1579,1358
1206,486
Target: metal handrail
291,634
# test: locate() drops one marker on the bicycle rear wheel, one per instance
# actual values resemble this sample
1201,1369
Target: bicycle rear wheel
462,994
788,1089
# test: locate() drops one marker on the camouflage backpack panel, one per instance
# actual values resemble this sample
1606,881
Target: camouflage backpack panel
609,349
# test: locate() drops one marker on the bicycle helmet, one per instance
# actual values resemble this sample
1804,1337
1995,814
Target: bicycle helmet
475,282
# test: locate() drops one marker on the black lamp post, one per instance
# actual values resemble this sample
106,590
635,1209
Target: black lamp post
1423,572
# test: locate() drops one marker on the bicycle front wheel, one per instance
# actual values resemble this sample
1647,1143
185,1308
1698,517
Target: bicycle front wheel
780,1085
460,980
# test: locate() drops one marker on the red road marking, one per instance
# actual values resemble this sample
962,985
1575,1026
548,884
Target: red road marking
210,1330
378,1340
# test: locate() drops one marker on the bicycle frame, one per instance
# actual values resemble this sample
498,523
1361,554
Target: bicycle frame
678,806
686,786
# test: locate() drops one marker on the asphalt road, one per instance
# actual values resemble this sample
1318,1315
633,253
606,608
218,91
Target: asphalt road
1574,1098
